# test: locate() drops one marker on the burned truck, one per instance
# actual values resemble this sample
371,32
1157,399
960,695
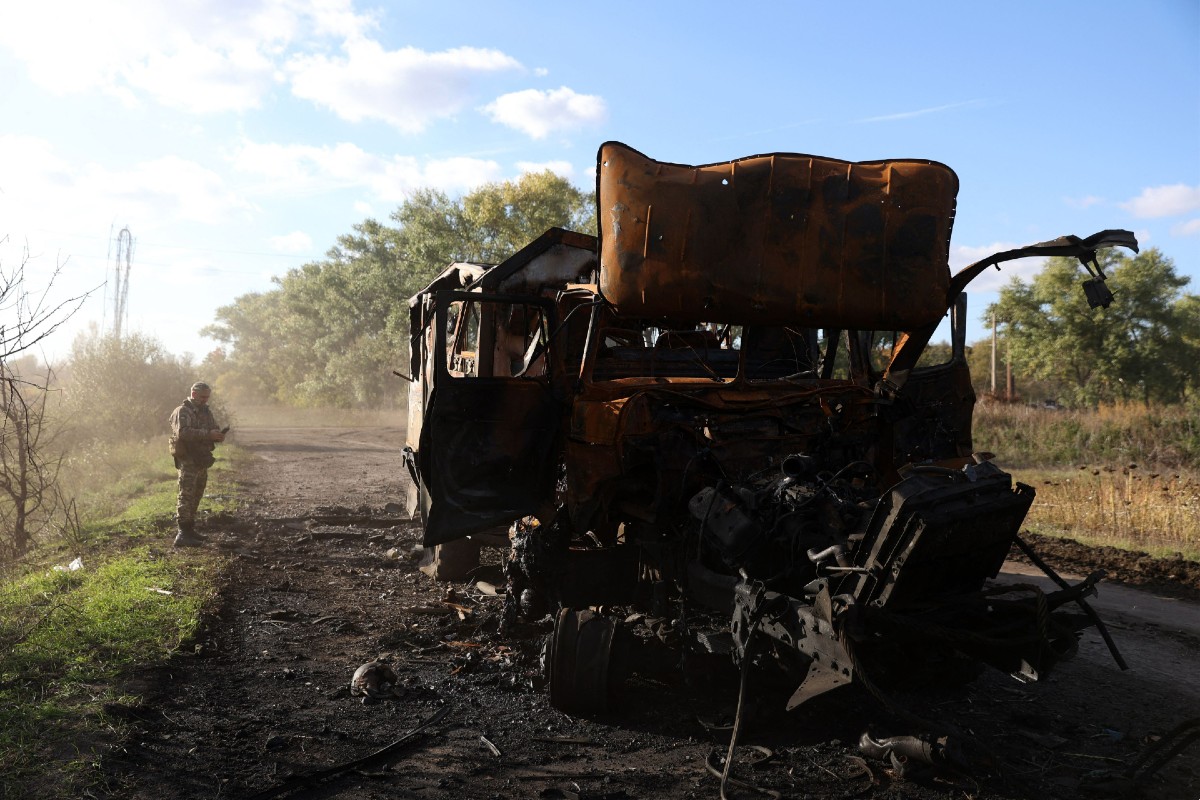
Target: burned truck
721,411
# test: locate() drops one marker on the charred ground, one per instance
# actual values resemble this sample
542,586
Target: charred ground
319,580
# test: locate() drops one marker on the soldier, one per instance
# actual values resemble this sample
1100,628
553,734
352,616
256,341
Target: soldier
194,434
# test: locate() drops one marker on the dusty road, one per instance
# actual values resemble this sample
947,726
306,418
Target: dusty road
310,593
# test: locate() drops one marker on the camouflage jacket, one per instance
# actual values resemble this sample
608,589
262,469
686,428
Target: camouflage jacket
191,424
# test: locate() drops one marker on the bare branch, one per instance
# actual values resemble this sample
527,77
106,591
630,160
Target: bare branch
28,478
31,317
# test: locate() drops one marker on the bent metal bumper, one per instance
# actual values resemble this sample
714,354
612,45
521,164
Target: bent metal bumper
916,589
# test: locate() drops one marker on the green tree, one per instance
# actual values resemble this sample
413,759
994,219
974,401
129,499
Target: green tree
121,389
332,331
501,218
1142,348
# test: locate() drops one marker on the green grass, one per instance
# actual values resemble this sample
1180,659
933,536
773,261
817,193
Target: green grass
1123,476
132,483
68,639
140,501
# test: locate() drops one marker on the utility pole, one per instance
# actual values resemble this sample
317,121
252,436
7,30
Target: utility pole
121,267
993,354
1009,388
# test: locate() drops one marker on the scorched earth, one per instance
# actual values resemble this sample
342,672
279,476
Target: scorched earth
318,579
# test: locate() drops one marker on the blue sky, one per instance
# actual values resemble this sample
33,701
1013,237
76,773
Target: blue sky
237,140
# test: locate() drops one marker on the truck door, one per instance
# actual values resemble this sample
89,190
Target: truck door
488,448
940,401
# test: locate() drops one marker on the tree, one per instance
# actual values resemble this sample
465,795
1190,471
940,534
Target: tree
1187,359
26,316
29,496
1143,347
332,331
28,476
501,218
122,389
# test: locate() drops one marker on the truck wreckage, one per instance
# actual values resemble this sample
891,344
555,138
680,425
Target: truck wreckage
717,412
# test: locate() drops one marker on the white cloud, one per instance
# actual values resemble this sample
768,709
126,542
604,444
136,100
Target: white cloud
75,46
39,185
920,112
294,242
407,88
962,255
201,79
166,187
1189,228
451,174
338,18
199,57
539,113
563,168
27,160
308,169
1164,201
187,272
991,280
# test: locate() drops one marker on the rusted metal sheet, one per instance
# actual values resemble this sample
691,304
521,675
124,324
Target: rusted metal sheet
776,239
697,435
554,259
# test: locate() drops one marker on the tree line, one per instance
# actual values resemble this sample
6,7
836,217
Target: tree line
1144,348
331,332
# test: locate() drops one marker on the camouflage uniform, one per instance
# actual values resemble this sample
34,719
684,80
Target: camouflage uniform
190,443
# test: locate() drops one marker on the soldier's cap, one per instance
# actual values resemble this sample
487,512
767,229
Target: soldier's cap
201,386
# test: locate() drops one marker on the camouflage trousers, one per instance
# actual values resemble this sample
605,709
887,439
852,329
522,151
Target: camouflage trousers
192,480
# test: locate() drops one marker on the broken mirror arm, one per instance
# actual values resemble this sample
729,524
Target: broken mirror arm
1097,292
1095,289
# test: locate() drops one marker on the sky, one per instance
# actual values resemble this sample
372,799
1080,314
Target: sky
237,139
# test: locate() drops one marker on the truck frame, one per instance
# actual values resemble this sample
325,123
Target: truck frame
718,412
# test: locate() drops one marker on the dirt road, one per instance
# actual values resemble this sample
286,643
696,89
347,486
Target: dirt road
318,581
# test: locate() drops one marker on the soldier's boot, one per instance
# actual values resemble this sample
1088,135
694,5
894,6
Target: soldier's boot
187,536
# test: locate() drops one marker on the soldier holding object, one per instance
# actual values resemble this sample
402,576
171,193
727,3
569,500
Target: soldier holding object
194,436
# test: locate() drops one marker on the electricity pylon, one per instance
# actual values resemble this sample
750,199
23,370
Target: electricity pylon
121,279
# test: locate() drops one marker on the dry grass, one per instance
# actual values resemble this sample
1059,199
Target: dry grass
1167,436
1132,508
1124,476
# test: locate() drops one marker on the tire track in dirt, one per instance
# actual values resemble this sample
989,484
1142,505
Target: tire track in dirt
310,592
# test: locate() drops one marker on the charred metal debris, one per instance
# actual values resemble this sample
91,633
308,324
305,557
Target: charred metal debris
721,414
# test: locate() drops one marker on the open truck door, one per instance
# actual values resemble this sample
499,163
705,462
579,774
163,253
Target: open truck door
487,448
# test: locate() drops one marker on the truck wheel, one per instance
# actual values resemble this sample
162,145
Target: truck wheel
580,662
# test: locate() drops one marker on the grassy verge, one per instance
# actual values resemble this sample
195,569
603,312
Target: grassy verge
1166,437
1123,476
68,638
140,501
1134,509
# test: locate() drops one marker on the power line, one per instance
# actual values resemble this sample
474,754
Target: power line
190,248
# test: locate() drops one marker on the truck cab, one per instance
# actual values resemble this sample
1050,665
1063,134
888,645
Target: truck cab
722,402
